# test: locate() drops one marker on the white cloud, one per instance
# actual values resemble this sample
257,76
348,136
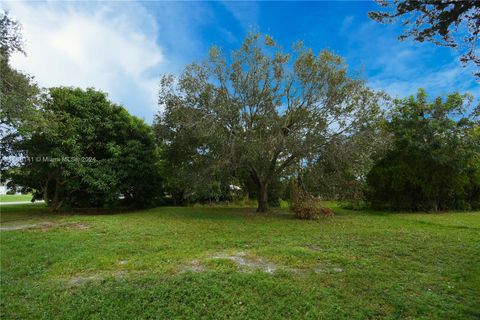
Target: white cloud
347,24
110,47
401,67
245,12
441,82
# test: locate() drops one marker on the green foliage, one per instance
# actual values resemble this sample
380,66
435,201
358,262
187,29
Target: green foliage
257,113
19,95
92,153
355,204
433,163
11,39
339,171
188,176
442,22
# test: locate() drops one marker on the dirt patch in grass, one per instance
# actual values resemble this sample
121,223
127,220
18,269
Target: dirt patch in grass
193,266
45,226
312,247
324,269
17,227
81,280
248,262
77,226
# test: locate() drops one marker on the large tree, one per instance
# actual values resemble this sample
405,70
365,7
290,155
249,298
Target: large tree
18,93
442,22
339,171
92,153
433,162
261,111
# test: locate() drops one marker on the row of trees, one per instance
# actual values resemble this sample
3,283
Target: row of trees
71,147
260,120
259,112
90,153
266,120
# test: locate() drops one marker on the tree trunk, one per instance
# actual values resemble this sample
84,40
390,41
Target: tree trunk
45,193
56,203
262,197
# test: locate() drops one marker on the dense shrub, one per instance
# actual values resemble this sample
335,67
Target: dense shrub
434,161
354,204
417,182
92,153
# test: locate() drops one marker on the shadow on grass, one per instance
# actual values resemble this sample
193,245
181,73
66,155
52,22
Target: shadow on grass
21,212
221,213
440,225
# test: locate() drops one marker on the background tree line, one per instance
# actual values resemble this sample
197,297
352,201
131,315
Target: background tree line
71,147
257,123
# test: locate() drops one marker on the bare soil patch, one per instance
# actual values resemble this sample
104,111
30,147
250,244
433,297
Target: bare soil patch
45,226
312,247
83,279
248,262
80,280
193,266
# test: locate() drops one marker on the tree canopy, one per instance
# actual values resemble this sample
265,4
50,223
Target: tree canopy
92,153
442,22
19,95
260,110
340,169
434,160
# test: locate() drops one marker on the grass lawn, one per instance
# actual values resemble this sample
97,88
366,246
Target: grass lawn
15,197
218,263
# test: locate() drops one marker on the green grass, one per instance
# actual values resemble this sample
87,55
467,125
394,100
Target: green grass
15,197
173,263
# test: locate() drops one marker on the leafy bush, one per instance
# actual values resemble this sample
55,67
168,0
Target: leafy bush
434,161
92,154
353,205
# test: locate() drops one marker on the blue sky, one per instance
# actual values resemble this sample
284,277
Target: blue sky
122,48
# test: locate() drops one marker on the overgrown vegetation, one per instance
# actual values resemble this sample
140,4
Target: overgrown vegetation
433,163
92,153
258,113
241,126
307,207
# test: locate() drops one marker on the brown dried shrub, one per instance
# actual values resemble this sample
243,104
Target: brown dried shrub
307,207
